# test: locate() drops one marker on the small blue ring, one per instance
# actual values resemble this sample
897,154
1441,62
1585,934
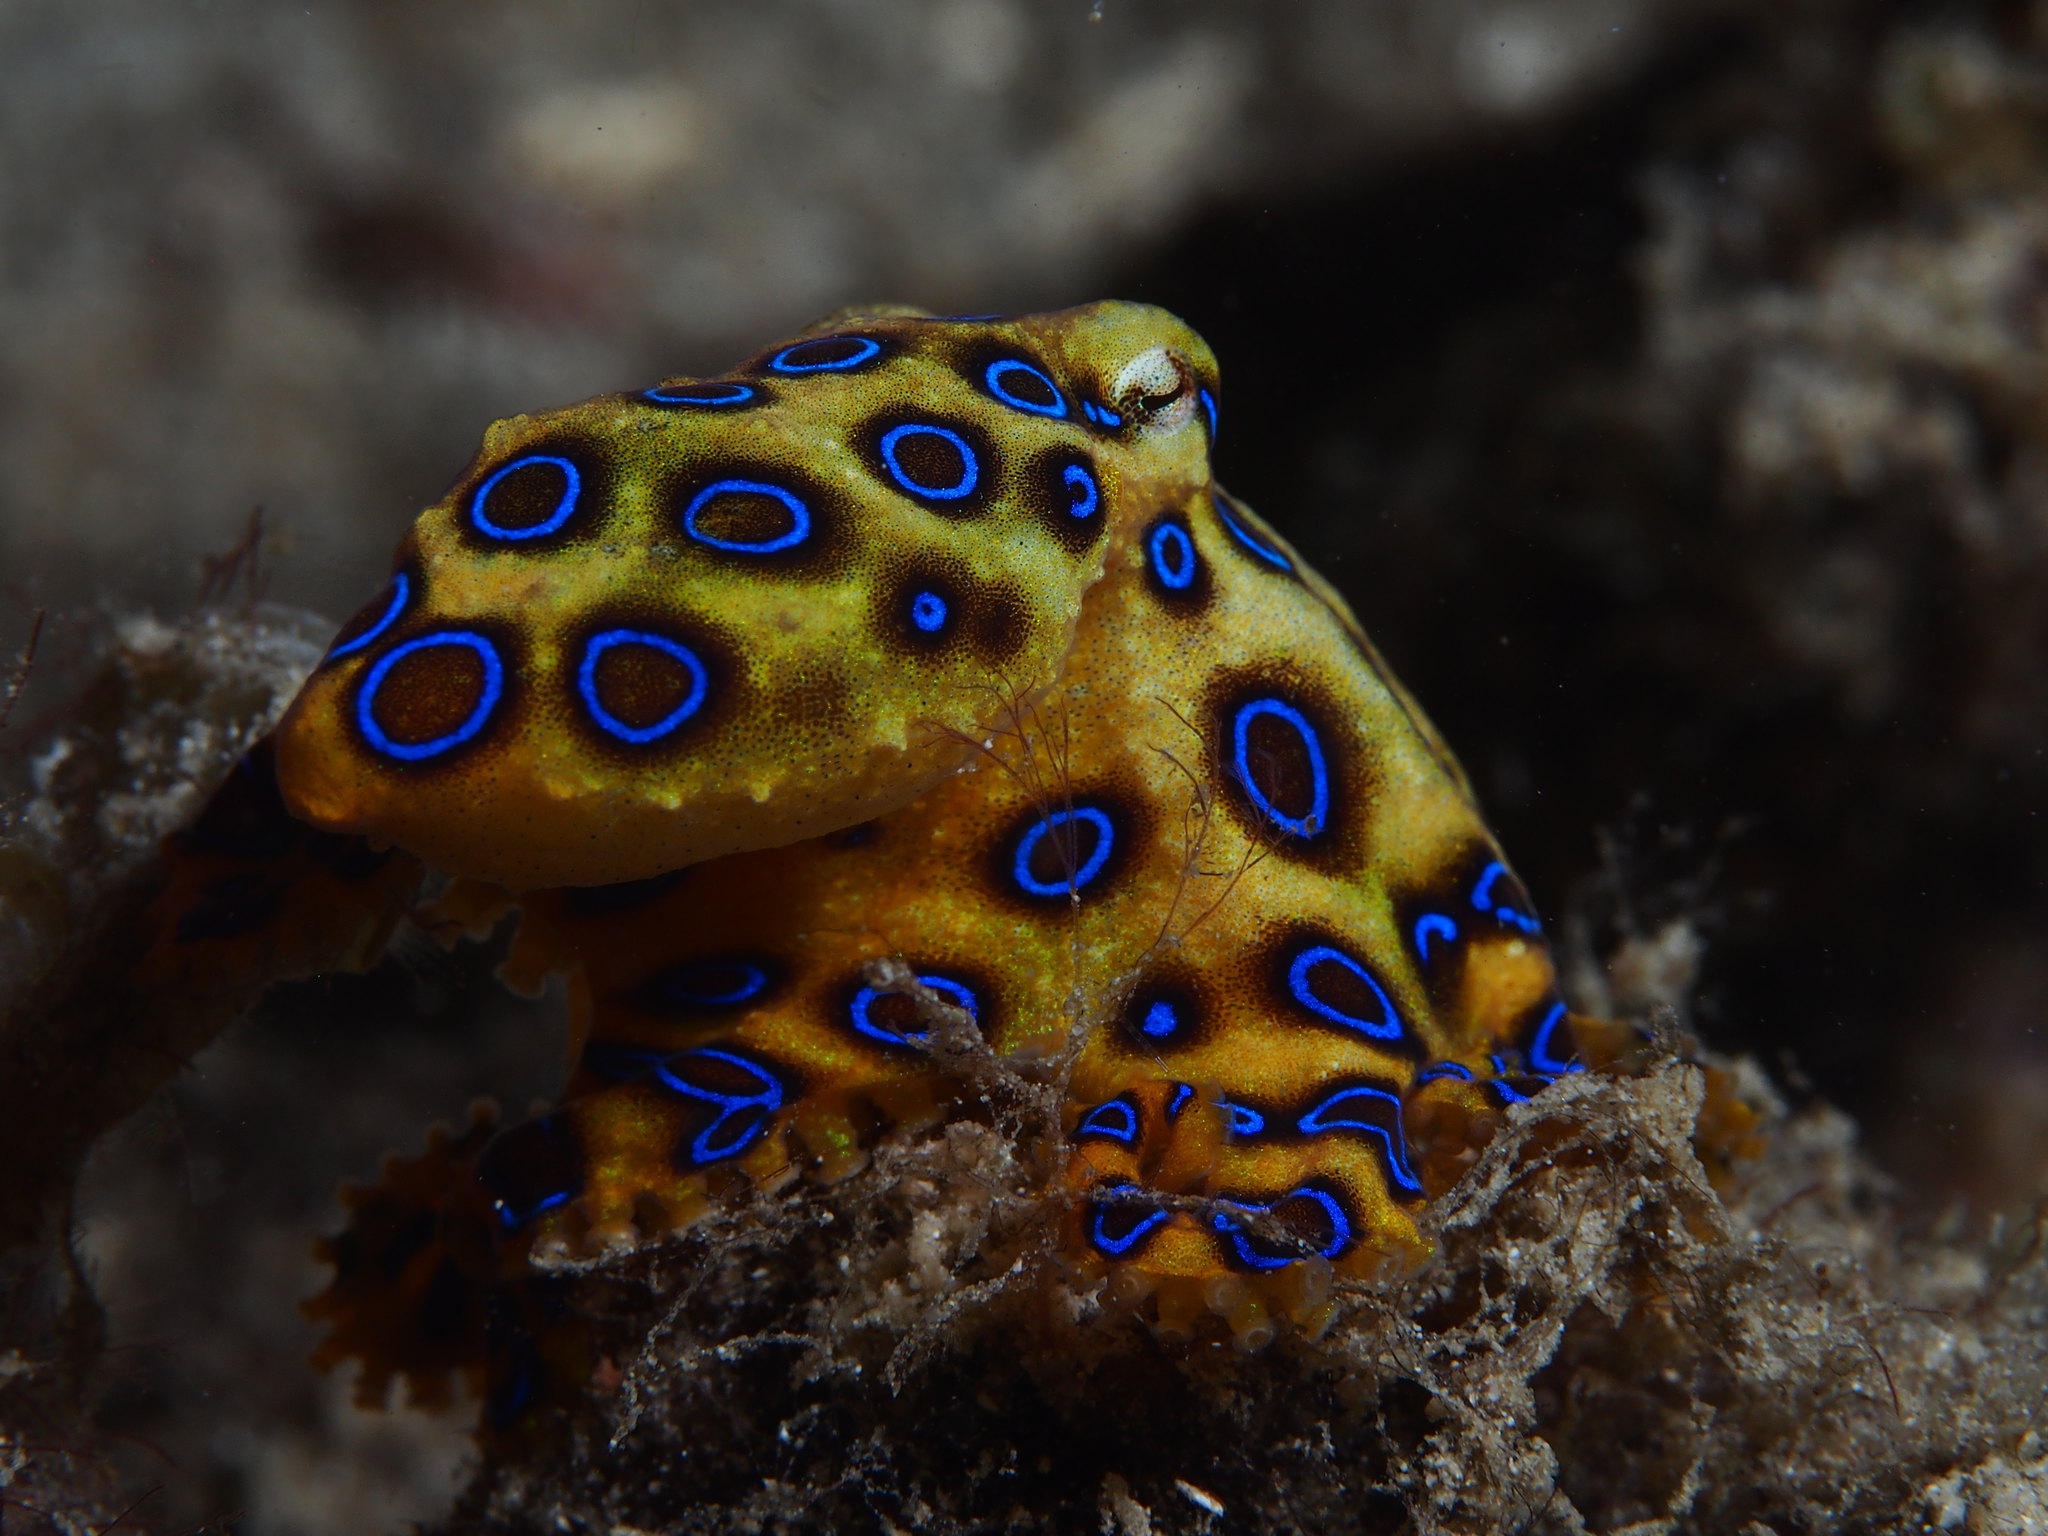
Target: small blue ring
1091,867
864,999
994,373
1437,1071
799,516
928,612
1209,406
554,520
1173,557
1319,808
970,467
417,752
1231,1227
1387,1027
1116,1247
1433,923
868,348
586,683
1244,1120
1084,495
401,589
1393,1139
1118,1120
1251,541
741,394
753,981
1541,1056
705,1148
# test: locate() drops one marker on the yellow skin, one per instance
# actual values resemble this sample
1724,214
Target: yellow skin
1211,869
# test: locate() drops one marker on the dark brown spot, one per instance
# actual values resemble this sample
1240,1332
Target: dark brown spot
641,685
429,694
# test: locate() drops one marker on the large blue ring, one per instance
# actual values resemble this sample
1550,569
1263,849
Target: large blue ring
1251,541
551,523
1090,867
1173,557
401,589
1233,1228
993,376
1319,809
417,752
1329,1116
740,395
970,467
706,1147
799,516
962,996
1386,1027
866,352
586,683
1084,495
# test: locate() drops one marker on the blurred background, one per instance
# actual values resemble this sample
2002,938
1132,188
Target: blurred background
1662,380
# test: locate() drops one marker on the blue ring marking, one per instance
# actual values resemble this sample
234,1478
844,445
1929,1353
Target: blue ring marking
1433,923
1328,1116
1209,405
1508,1095
1108,417
1244,1120
1387,1027
420,751
993,374
1438,1070
864,999
1098,856
799,516
1116,1247
1083,494
1318,815
401,590
970,467
1251,541
1161,1020
1173,556
586,683
552,522
741,394
1482,893
1540,1054
672,985
868,349
928,612
1182,1092
1233,1228
1118,1120
705,1146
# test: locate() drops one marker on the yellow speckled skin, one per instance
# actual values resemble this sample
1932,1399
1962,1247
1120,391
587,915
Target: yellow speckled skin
1081,768
824,705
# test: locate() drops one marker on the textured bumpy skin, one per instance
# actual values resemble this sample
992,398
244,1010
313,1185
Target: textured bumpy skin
658,627
916,688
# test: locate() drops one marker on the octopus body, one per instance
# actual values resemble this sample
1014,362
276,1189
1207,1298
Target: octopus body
907,698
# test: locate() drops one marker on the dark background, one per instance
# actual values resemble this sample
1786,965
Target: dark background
1663,382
